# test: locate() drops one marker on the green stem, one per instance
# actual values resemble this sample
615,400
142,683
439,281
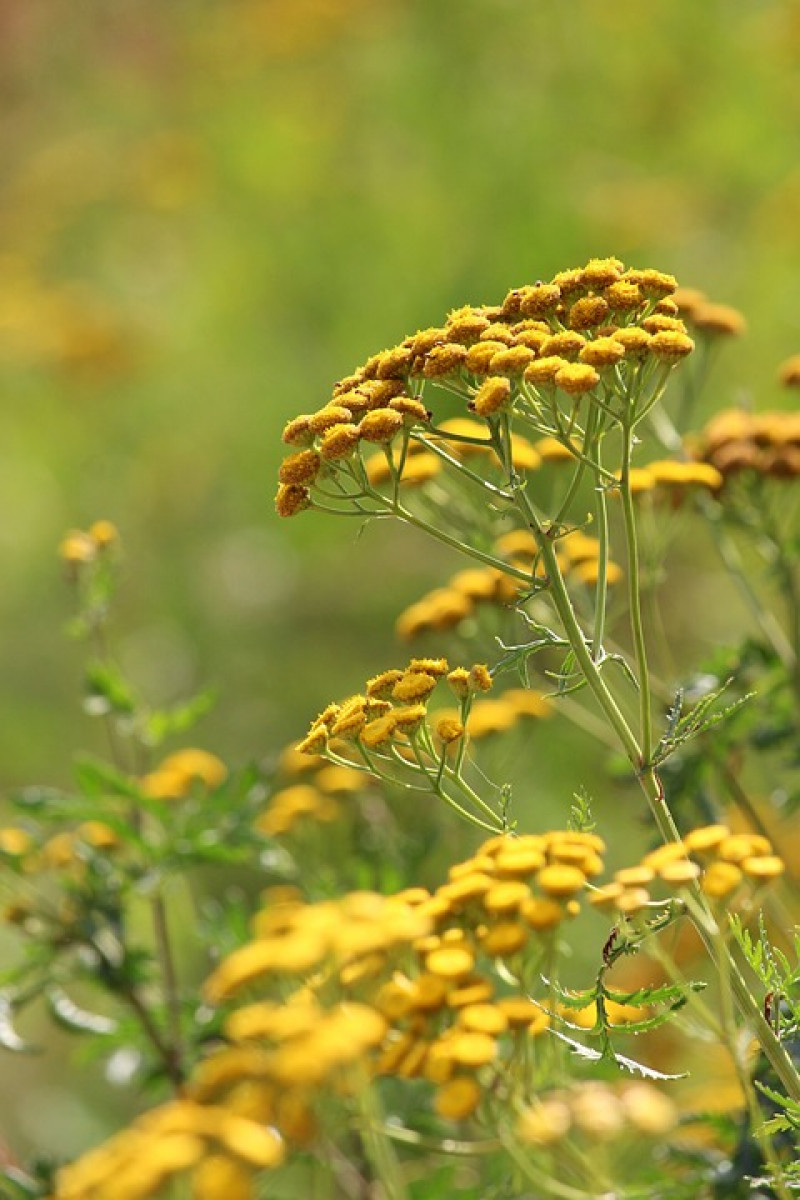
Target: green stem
634,600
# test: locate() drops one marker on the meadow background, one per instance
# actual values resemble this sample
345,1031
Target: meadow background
211,211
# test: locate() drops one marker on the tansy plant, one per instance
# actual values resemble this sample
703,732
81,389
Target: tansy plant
531,1023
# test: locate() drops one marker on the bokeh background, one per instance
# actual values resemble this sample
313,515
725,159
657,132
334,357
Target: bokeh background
210,211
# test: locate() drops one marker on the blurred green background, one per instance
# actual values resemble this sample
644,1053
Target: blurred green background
211,211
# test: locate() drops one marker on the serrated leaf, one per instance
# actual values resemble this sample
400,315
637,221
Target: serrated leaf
73,1018
629,1064
571,999
667,993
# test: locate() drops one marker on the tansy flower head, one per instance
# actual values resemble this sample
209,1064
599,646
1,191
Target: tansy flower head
587,312
600,272
539,300
380,425
340,441
566,345
300,468
718,319
576,378
670,346
298,432
444,360
492,395
291,499
511,361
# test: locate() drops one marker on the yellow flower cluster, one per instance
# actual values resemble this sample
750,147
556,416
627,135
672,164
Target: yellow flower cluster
392,708
79,546
416,993
417,986
309,788
767,443
672,478
65,853
175,777
546,344
446,607
597,1112
392,720
722,862
706,318
217,1147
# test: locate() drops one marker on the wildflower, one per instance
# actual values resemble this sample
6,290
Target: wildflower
601,272
544,1123
740,846
470,1049
718,319
623,296
635,342
543,371
104,534
511,361
413,411
448,729
479,356
506,896
655,283
444,360
789,372
566,345
450,962
587,312
480,679
298,432
414,685
602,352
550,449
380,425
327,417
380,686
77,548
218,1177
560,880
543,912
291,499
596,1111
706,838
339,441
720,880
466,324
671,346
540,300
763,866
680,872
457,1098
646,1109
15,842
492,395
391,364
